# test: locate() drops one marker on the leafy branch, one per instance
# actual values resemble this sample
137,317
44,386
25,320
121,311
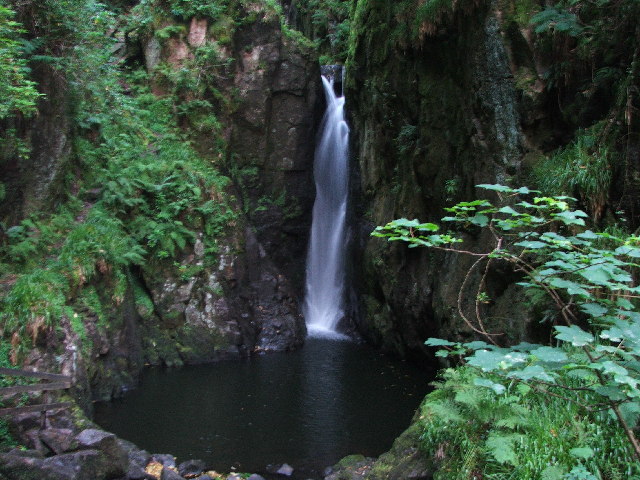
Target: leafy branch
588,276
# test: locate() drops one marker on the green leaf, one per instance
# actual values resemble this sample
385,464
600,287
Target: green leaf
509,211
629,251
593,309
550,354
496,187
553,472
479,219
574,335
612,392
489,360
532,244
532,372
476,345
572,288
500,446
485,382
438,342
630,412
569,217
582,452
588,235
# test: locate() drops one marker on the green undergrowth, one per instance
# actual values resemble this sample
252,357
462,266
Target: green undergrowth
472,431
583,169
139,191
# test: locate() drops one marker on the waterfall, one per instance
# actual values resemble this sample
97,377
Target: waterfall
325,281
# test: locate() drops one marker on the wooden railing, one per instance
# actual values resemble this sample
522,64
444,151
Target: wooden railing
53,381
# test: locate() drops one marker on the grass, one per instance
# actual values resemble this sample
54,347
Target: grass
473,432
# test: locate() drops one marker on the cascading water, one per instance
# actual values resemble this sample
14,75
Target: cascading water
323,307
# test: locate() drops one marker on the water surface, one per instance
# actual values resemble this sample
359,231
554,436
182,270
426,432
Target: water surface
308,408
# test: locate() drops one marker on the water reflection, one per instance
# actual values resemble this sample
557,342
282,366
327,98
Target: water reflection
307,408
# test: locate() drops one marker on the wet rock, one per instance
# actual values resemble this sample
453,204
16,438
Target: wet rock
136,472
352,467
59,440
31,438
191,468
82,465
107,443
168,474
166,459
405,460
136,456
285,469
255,476
25,453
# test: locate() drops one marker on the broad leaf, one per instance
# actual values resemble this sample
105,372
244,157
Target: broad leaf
496,187
438,342
582,452
550,354
485,382
574,335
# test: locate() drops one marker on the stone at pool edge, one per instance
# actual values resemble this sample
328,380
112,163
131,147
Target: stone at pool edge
285,469
168,474
191,468
166,459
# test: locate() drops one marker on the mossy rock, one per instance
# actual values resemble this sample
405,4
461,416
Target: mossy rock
405,460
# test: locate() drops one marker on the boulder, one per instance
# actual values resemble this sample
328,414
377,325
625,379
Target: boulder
59,440
285,469
82,465
169,474
191,468
105,442
166,459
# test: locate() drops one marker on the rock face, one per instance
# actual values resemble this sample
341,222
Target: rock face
272,141
32,183
213,299
249,301
435,113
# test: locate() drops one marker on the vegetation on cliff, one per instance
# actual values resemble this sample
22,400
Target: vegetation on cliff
136,188
505,394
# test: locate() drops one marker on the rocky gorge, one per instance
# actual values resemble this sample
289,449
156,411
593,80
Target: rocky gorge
438,102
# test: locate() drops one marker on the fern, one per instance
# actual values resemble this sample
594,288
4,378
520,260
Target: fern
501,447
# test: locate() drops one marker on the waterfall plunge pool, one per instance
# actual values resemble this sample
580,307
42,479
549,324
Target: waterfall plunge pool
307,408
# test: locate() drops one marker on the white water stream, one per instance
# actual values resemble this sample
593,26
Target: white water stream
324,302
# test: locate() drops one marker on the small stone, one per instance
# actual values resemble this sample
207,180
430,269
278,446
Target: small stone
285,469
166,459
136,472
154,469
191,468
255,476
170,474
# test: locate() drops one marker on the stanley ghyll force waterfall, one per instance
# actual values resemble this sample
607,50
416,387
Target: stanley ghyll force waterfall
325,279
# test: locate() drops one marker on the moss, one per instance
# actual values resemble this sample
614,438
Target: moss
405,459
350,461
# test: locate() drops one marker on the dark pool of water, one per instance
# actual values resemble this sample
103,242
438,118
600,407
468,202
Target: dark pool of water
308,408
